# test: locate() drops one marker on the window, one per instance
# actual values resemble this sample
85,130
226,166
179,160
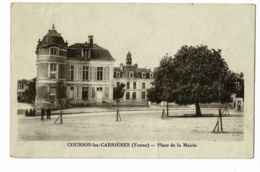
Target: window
151,75
134,95
134,85
53,70
52,94
118,74
52,98
86,54
144,75
143,95
128,85
99,88
131,74
117,84
143,85
85,73
54,51
127,96
71,72
99,73
106,92
84,93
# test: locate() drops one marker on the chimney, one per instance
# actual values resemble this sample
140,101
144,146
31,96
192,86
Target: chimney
121,66
90,40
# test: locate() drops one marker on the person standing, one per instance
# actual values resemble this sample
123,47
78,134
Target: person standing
48,111
31,112
42,114
34,112
26,112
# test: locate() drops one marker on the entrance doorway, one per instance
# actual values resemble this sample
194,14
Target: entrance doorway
99,94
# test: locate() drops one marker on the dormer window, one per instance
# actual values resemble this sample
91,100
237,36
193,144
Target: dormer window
118,74
86,54
143,75
54,51
131,74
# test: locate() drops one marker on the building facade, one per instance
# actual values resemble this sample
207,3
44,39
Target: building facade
137,81
22,85
80,74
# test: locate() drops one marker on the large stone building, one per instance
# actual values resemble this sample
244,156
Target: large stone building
79,74
137,81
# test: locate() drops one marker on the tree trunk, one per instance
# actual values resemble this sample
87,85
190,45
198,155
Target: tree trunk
167,109
198,112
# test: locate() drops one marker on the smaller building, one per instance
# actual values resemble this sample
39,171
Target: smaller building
238,98
22,85
137,81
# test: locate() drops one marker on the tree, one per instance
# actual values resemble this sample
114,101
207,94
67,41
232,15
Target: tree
201,75
163,83
118,93
29,93
195,75
61,95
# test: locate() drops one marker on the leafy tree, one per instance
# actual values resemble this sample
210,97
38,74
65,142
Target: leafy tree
29,93
201,75
118,92
195,75
163,83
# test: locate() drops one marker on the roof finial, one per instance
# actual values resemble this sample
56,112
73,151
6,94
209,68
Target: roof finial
53,27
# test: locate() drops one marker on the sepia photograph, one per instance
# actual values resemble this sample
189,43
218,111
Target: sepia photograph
138,80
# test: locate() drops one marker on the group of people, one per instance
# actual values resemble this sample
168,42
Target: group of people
48,113
30,112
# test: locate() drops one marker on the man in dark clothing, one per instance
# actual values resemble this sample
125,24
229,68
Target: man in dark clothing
26,112
48,111
42,114
31,112
34,112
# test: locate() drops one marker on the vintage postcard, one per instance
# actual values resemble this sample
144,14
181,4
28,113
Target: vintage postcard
95,80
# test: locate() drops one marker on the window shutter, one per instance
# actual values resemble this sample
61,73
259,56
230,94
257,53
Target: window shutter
95,73
90,73
103,92
80,93
75,73
107,92
93,93
68,73
75,93
104,73
68,92
90,93
80,73
48,70
107,73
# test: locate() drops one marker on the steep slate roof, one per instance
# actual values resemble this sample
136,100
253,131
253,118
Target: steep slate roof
52,38
97,52
117,69
137,71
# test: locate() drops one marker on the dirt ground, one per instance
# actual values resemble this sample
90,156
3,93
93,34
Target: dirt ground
135,125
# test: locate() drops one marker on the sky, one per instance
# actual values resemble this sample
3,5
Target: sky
148,31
